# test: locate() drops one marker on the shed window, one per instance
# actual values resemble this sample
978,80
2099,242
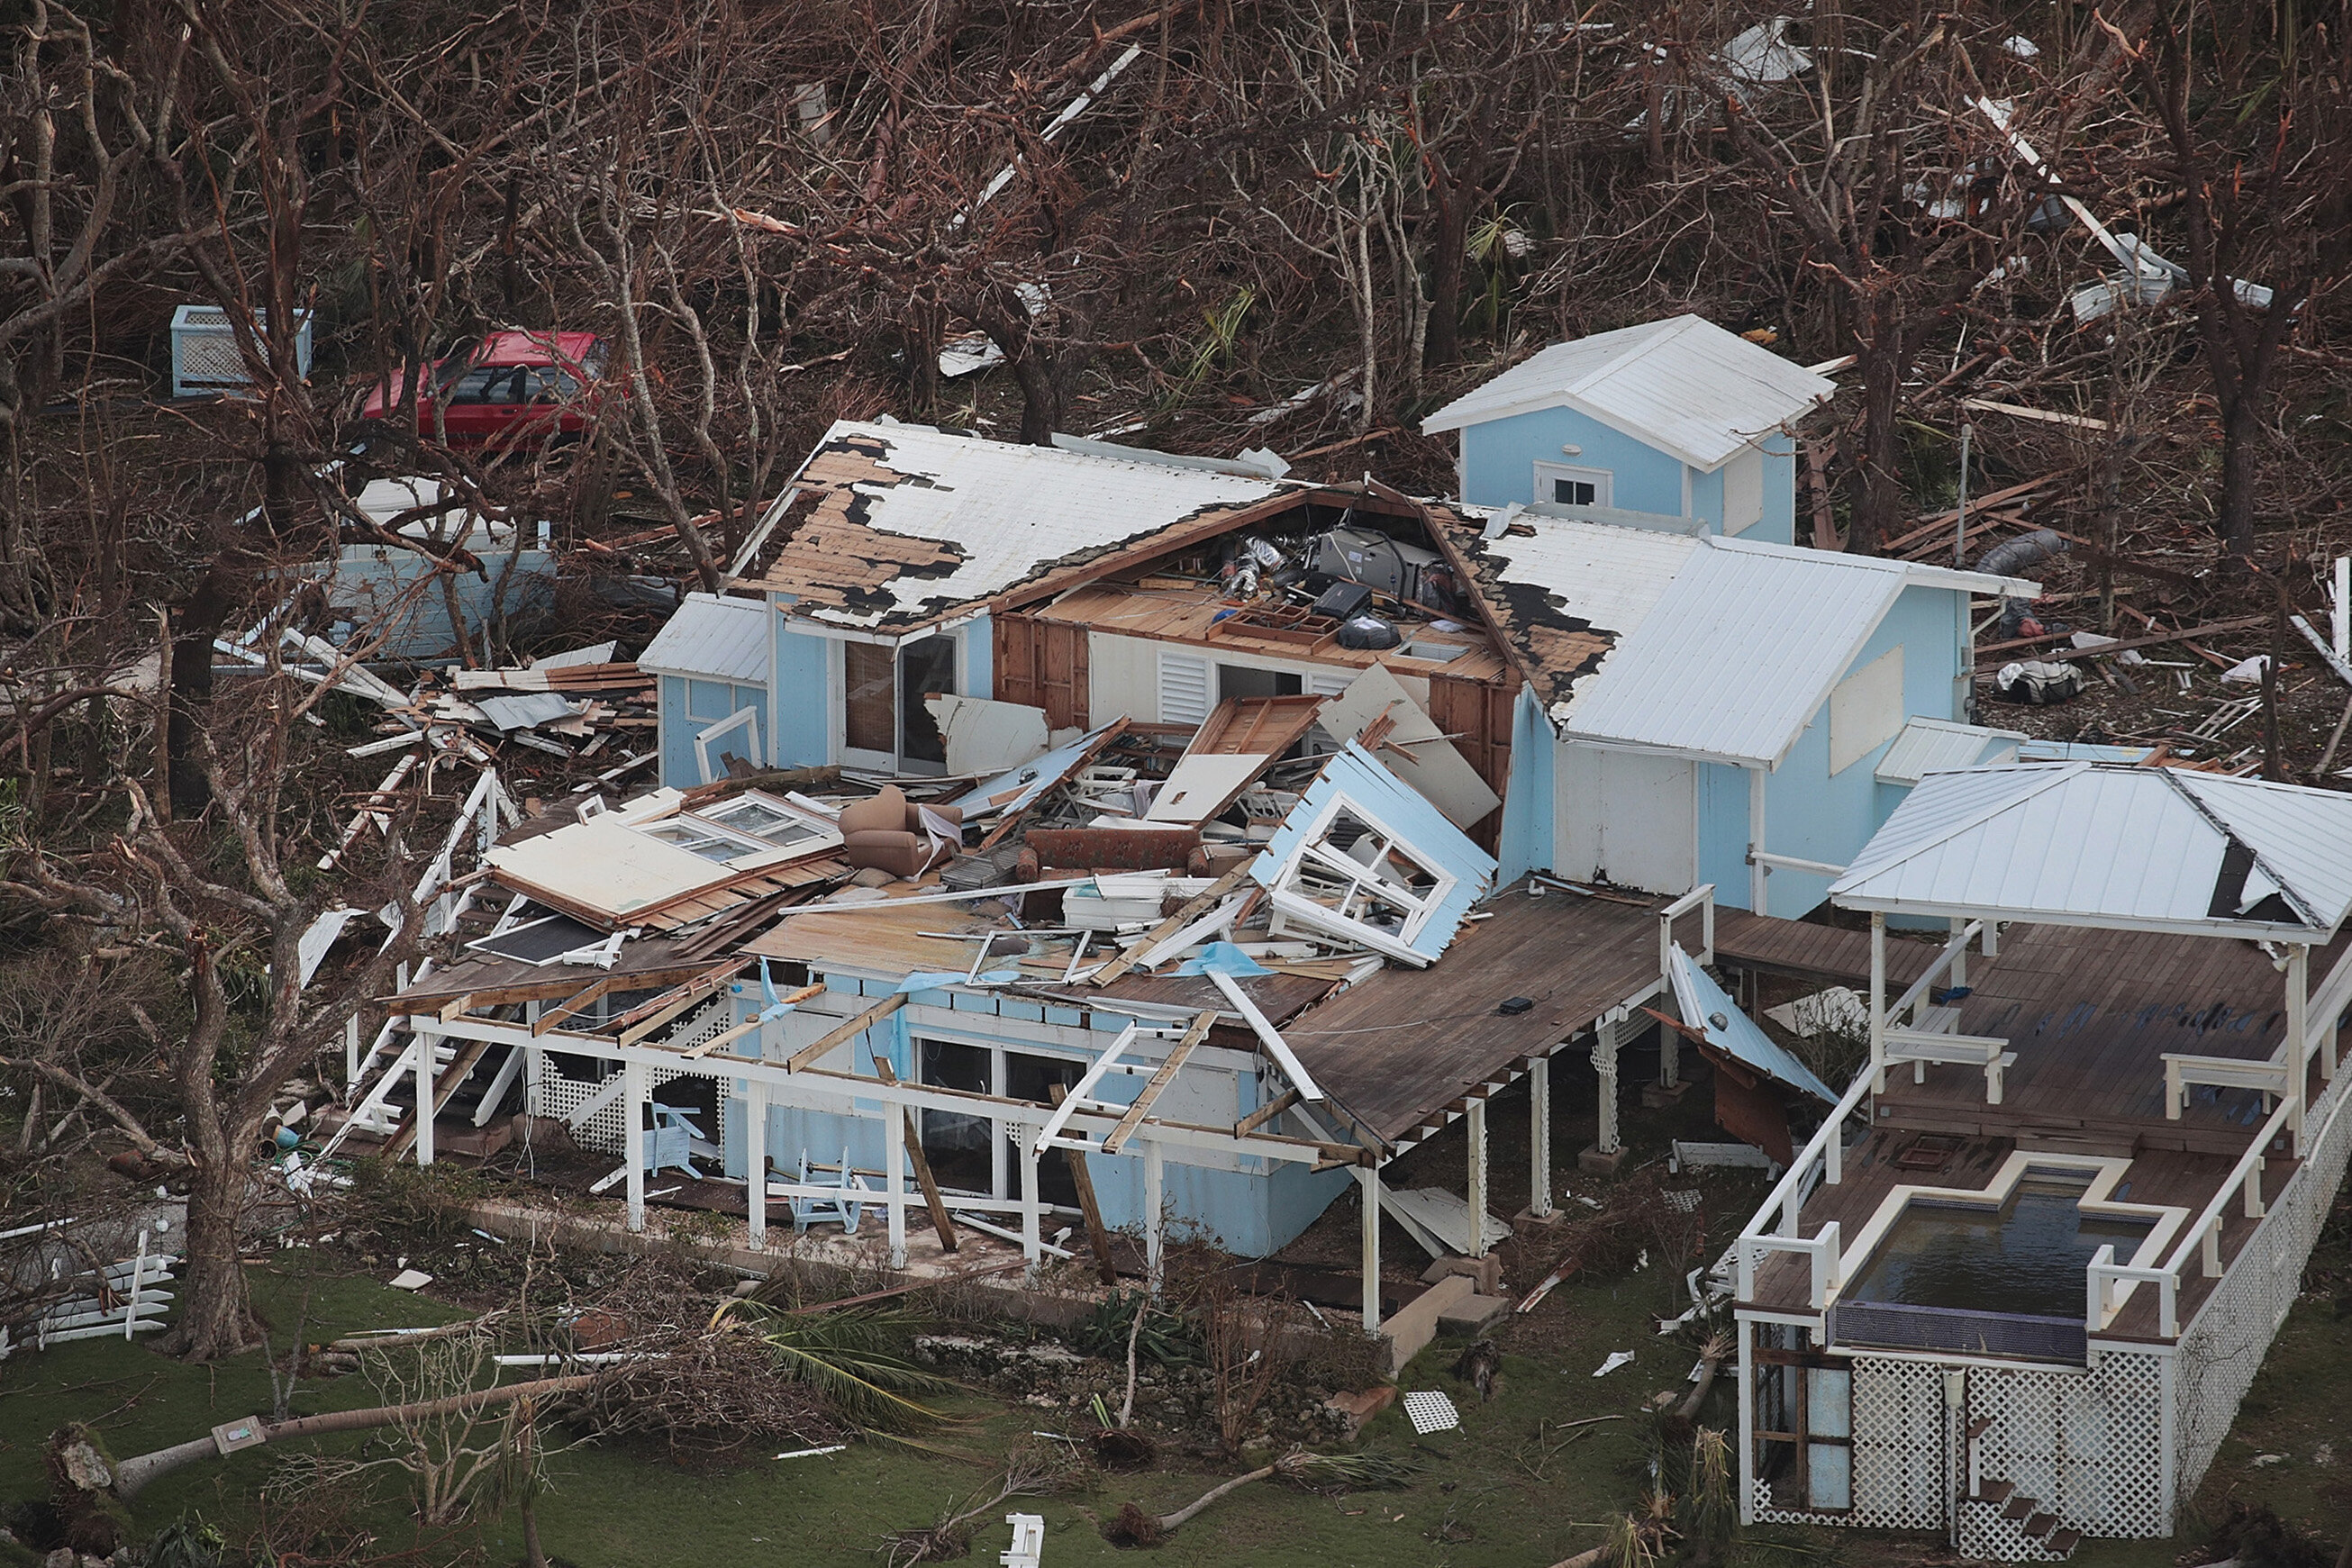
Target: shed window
1564,486
704,839
1364,876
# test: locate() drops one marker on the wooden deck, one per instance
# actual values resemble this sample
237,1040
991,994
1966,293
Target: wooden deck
1403,1048
2090,1015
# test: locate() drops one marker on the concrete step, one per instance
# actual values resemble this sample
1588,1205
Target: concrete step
1474,1315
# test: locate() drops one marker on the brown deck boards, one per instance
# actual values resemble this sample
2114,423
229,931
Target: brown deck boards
1399,1047
1812,952
2090,1014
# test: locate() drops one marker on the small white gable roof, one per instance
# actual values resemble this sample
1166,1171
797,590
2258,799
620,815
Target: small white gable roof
2127,848
712,637
1684,385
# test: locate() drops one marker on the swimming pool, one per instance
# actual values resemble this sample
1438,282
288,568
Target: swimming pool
2027,1257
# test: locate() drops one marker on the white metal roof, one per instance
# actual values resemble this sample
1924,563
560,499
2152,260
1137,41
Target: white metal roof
1722,649
1933,745
1682,384
1009,511
713,638
2085,844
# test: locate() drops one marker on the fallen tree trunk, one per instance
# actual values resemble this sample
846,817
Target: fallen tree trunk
133,1474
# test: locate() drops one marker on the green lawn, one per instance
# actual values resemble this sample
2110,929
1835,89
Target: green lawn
1494,1491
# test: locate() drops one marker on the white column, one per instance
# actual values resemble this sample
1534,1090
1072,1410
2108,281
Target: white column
1477,1117
350,1053
633,1138
1747,1376
894,1182
427,1048
1368,1186
2298,1031
1604,1062
1155,1223
1960,958
1758,894
1031,1205
1540,1137
755,1159
1877,1003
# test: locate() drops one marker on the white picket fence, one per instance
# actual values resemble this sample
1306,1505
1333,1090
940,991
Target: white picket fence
125,1297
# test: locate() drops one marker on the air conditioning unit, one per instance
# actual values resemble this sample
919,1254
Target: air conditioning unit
205,357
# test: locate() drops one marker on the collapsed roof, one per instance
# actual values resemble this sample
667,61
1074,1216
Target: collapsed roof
910,523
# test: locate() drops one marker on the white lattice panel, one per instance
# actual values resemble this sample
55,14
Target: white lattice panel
2225,1344
607,1130
1900,1445
2085,1445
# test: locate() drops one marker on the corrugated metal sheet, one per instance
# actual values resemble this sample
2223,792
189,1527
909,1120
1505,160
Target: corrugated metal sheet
1737,655
2090,844
712,637
1702,1001
1682,384
1610,576
1002,513
1935,745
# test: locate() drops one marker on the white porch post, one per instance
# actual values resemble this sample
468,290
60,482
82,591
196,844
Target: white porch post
1746,1422
427,1048
1477,1117
1759,894
1368,1186
1154,1219
755,1160
2298,1031
350,1054
1877,1003
1604,1062
1540,1137
633,1138
1960,958
894,1181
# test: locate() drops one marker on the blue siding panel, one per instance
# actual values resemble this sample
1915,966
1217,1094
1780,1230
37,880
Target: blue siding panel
1723,831
1498,461
803,687
1524,842
1779,523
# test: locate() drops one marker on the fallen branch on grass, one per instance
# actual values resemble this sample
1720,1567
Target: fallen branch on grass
1132,1526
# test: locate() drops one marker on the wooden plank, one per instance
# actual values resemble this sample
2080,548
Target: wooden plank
460,1068
1098,1233
848,1029
942,1221
547,1019
1266,1113
1193,908
661,1011
731,1035
1117,1136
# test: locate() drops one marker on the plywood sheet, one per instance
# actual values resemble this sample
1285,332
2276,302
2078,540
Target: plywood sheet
1416,750
1200,786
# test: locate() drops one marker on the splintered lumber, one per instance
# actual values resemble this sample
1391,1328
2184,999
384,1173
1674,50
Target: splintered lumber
848,1029
941,1219
582,999
1159,1080
1098,1233
728,1037
2210,629
1193,908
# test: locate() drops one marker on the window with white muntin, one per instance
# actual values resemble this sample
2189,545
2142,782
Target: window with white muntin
1352,870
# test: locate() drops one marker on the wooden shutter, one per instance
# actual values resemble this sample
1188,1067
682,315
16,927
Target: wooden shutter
1042,665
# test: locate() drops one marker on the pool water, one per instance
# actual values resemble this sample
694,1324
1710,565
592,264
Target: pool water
2027,1257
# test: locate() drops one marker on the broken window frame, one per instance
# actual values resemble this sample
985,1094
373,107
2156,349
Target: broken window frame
1418,905
1785,1404
814,832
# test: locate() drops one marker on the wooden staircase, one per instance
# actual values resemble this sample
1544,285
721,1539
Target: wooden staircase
450,1071
2037,1522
